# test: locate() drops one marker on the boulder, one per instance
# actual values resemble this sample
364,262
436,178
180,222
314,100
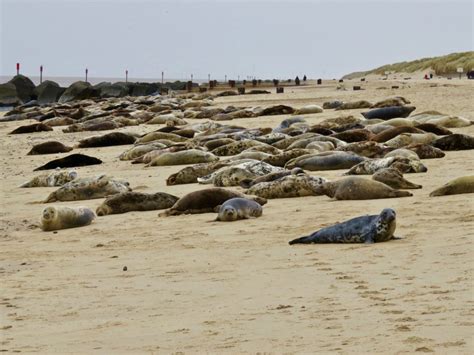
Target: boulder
48,91
24,87
79,90
143,89
8,95
107,89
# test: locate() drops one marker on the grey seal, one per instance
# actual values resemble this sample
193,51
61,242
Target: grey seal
363,229
238,208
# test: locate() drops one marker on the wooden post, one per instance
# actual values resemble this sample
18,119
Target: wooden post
17,68
41,74
87,71
126,76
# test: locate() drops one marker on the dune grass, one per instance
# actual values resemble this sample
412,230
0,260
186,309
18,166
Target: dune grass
443,65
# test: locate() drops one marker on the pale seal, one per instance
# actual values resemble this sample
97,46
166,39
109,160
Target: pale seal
88,188
357,188
404,165
364,229
461,185
238,208
288,186
61,217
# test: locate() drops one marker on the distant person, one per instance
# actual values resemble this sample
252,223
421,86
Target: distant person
297,81
304,78
431,75
470,74
426,77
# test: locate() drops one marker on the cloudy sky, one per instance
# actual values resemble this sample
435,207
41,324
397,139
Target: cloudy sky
260,38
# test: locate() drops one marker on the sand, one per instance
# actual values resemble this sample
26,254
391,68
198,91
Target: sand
197,286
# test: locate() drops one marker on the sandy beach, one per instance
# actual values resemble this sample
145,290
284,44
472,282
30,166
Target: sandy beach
193,285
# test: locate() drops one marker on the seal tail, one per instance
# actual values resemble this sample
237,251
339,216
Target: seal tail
302,240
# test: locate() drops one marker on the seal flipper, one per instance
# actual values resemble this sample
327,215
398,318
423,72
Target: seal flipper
302,240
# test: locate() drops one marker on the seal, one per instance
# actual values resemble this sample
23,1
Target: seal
153,136
393,132
405,139
55,178
88,188
58,121
387,113
288,186
139,150
332,104
394,178
357,188
32,128
238,208
426,151
204,201
286,123
247,183
442,120
49,147
190,156
354,105
391,101
402,152
62,217
321,146
434,128
405,165
135,201
70,161
107,140
308,109
460,185
190,174
331,160
364,229
236,147
455,141
282,158
353,135
216,143
367,149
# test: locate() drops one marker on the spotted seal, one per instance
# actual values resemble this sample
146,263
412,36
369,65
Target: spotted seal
190,156
394,178
62,217
238,208
364,229
282,158
461,185
235,148
247,183
88,188
190,174
288,186
56,178
204,201
426,151
405,165
135,201
455,141
49,147
358,188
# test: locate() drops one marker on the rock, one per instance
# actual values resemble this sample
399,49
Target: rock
79,90
143,89
24,87
8,95
48,91
107,89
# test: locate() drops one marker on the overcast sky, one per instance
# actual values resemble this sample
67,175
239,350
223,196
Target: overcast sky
248,38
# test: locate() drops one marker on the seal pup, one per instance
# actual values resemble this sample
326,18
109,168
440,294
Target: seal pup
454,142
62,217
394,178
88,188
204,201
358,188
364,229
70,161
460,185
55,178
135,201
238,208
49,147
